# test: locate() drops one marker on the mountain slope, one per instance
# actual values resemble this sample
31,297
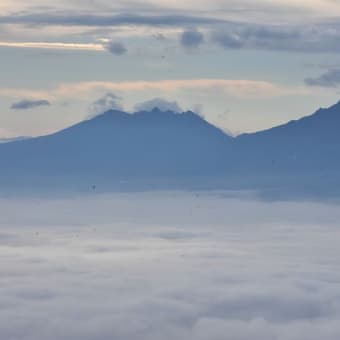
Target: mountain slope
180,151
117,144
310,144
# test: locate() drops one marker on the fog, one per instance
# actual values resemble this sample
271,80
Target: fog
171,265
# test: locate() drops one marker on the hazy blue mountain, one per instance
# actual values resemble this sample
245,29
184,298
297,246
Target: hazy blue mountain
310,144
180,150
117,144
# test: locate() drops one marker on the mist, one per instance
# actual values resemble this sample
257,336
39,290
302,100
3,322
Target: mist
168,265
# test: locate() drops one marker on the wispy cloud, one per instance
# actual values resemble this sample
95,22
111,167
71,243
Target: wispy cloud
237,88
29,104
331,78
317,37
54,46
159,103
72,19
109,101
310,38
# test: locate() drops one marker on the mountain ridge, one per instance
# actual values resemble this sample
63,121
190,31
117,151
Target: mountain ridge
169,147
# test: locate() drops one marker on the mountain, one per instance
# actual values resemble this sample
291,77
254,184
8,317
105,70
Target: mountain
144,150
310,144
118,145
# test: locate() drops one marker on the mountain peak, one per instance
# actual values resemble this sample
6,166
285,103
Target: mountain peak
110,114
155,113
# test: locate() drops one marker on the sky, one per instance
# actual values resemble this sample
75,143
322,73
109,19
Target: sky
243,65
164,266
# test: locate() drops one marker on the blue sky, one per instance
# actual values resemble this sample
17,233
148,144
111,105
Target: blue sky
243,65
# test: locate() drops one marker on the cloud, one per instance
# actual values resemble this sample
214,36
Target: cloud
29,104
228,40
329,79
54,46
162,104
241,88
227,32
237,88
160,36
71,19
191,38
163,266
116,48
308,38
108,102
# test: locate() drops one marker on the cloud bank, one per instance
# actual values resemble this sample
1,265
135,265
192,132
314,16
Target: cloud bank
94,20
241,88
309,38
312,36
168,266
54,46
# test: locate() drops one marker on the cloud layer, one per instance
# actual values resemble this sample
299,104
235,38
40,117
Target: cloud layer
252,25
239,31
73,19
242,88
308,38
168,265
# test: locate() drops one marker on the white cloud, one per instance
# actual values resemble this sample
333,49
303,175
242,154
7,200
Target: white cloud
109,101
168,265
54,46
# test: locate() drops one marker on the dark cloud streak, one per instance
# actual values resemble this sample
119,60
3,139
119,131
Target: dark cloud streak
331,78
116,48
72,19
317,38
29,104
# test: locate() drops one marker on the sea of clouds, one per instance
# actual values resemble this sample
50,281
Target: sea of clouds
154,266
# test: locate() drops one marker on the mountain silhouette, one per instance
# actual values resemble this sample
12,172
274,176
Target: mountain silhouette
118,144
310,144
173,148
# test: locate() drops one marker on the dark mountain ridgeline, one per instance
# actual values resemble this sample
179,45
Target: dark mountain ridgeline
310,144
180,151
117,144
